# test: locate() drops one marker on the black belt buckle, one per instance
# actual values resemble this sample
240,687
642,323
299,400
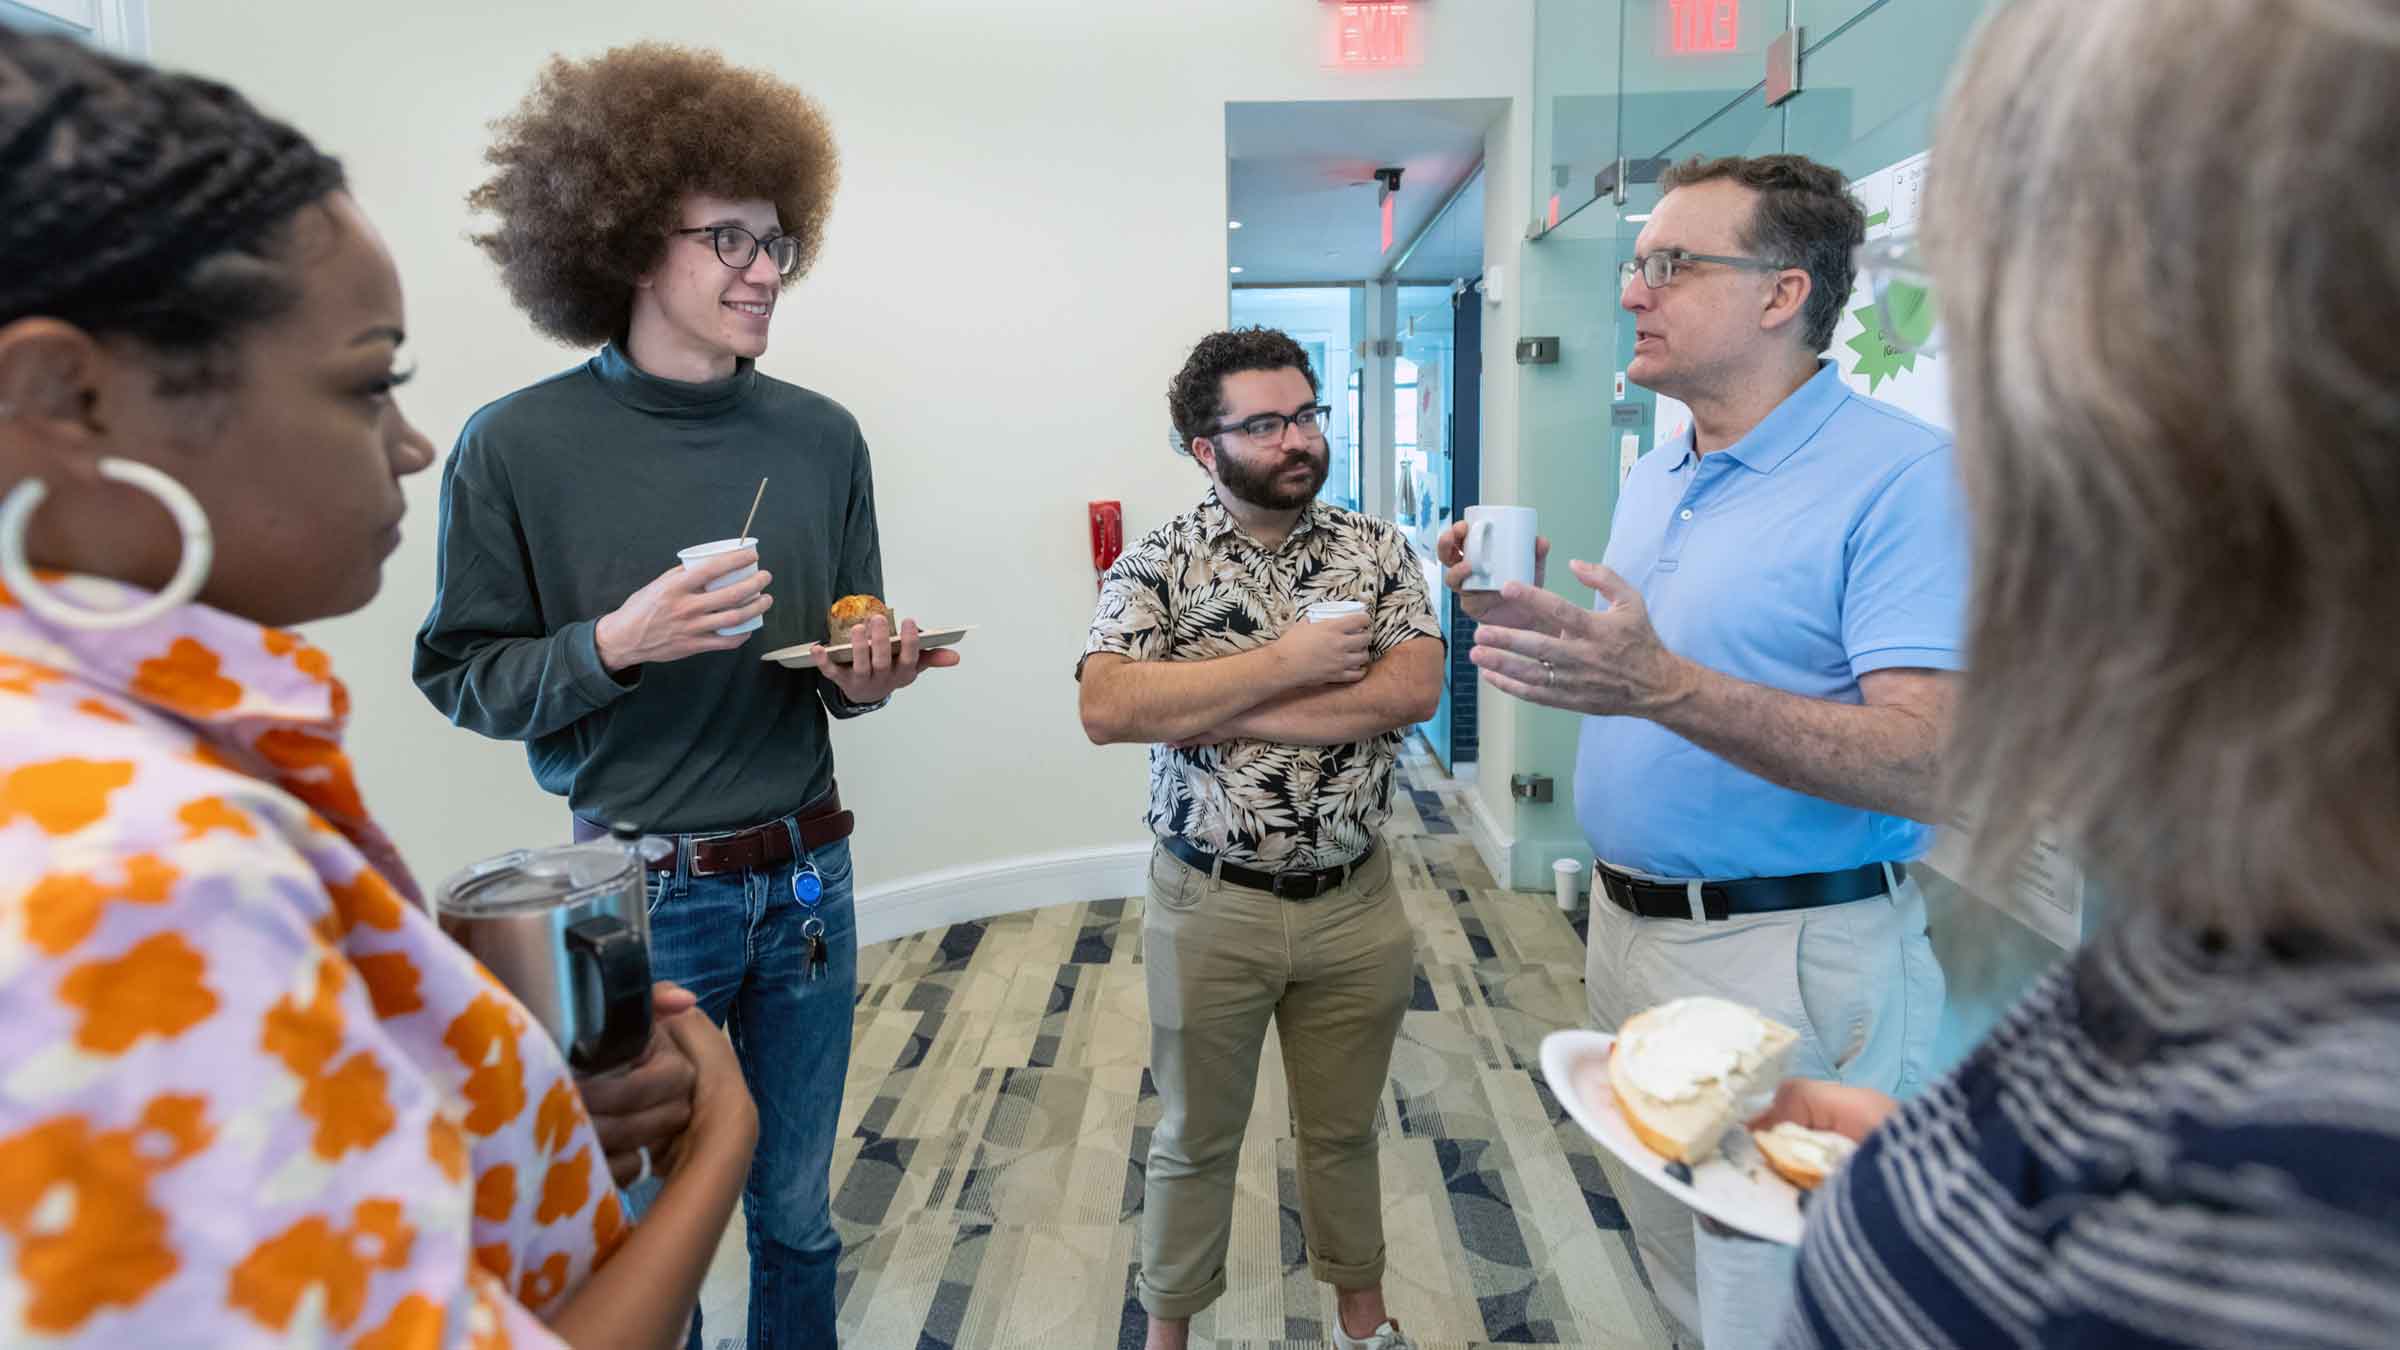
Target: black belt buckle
1296,886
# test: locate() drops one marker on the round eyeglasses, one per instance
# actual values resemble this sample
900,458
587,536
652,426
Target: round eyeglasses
737,248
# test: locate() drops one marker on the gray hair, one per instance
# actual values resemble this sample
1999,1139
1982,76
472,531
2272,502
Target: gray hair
2172,290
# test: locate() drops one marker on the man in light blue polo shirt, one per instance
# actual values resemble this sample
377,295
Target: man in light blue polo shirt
1766,677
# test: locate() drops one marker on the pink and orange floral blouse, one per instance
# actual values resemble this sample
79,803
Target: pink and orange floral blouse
249,1093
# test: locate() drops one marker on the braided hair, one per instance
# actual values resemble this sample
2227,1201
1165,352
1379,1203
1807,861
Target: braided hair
145,204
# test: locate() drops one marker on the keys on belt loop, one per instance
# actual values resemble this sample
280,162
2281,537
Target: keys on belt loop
813,929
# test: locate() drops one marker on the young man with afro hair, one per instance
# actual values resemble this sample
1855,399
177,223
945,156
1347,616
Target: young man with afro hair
656,203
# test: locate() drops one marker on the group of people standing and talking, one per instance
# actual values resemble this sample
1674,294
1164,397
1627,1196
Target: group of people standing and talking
2141,604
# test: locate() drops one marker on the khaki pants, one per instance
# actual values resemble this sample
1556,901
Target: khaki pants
1334,974
1860,985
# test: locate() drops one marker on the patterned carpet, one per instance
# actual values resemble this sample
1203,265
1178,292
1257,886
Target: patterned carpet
989,1182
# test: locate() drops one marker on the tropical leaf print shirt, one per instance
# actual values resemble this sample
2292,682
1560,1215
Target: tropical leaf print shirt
249,1092
1197,588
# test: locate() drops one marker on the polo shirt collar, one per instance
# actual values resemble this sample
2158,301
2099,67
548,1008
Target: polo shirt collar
1793,424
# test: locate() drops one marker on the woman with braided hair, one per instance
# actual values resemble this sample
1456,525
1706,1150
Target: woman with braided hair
248,1090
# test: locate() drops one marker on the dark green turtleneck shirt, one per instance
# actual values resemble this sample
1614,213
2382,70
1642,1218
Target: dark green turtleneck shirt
564,498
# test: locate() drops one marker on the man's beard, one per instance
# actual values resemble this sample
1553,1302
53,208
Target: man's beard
1268,489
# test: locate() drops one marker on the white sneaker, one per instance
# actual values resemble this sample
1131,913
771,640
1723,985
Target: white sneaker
1385,1337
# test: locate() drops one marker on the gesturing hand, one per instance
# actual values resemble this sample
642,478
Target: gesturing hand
1604,662
677,615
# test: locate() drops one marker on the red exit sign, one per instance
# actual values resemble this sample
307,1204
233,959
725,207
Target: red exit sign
1704,25
1377,36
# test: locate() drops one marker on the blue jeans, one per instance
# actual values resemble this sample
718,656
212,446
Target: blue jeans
734,940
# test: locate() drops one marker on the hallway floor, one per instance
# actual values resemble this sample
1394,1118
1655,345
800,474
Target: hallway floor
989,1180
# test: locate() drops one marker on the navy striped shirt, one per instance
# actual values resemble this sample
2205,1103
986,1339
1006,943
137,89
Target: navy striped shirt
2164,1144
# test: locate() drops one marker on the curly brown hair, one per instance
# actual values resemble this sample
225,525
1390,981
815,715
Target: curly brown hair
592,169
1196,396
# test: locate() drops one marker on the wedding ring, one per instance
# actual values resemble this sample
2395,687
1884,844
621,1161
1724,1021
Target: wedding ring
645,1172
1549,673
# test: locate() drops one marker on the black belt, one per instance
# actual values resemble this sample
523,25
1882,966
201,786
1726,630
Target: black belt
1304,885
1750,895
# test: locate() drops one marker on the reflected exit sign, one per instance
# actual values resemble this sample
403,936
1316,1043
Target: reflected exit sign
1364,36
1704,25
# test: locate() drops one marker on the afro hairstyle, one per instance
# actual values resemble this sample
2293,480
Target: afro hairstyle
590,173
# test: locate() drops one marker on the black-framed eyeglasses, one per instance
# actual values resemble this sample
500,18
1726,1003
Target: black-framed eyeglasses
737,248
1657,269
1267,428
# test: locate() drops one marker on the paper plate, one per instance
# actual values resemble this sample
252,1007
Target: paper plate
1735,1186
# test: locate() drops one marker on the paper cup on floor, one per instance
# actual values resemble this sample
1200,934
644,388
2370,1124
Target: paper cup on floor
1567,875
699,553
1335,609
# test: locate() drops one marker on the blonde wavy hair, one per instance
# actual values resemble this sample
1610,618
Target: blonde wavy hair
2171,286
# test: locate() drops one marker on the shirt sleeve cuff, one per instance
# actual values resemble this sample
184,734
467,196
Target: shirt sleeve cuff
842,709
1872,659
1106,646
592,681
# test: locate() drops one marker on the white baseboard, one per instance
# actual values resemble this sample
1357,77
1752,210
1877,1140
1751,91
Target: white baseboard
937,899
1496,846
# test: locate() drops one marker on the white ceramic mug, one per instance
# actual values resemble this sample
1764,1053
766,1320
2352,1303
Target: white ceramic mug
1499,546
699,553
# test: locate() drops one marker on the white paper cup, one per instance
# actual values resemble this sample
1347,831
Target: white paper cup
699,553
1335,609
1499,546
1567,875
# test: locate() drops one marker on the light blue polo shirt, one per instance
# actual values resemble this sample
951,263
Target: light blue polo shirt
1828,543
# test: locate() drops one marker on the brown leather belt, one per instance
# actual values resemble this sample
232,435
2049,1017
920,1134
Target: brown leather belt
760,847
821,823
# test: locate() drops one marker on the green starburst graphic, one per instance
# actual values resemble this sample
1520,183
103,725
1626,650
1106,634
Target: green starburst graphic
1880,357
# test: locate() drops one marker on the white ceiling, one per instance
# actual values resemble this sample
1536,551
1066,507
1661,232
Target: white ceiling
1300,178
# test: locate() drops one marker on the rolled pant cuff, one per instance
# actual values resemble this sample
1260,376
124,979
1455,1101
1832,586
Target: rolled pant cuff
1367,1274
1175,1307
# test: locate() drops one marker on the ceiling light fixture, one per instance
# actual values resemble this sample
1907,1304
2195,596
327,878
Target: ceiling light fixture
1233,224
1235,270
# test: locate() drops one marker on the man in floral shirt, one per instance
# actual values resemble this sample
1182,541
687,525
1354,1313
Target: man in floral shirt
1274,740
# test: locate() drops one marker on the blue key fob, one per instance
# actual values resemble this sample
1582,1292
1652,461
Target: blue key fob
807,887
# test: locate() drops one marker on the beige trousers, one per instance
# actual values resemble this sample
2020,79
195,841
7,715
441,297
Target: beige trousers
1334,975
1857,981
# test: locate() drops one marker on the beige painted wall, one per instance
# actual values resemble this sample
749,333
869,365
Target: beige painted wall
1031,233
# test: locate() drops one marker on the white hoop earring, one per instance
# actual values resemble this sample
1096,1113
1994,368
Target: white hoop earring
198,545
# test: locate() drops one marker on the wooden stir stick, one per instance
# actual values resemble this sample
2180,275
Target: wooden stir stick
754,501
